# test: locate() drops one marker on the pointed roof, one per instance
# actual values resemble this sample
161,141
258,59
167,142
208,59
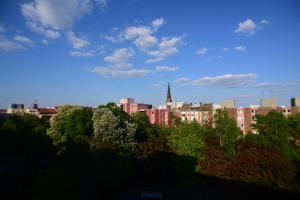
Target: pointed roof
169,98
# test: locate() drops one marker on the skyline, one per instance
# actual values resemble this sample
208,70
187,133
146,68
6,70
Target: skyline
92,52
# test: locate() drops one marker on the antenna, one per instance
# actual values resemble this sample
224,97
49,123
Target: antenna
271,93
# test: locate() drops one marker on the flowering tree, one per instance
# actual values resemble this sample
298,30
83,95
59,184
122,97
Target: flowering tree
107,130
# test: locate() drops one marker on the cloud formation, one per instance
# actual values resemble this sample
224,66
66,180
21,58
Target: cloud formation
167,47
264,21
120,57
23,39
9,45
165,68
141,35
76,42
2,28
124,73
201,51
52,34
226,80
55,14
248,27
158,23
240,48
81,53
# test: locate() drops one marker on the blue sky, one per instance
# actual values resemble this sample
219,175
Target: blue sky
91,52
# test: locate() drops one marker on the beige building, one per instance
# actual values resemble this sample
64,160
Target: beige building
268,103
229,103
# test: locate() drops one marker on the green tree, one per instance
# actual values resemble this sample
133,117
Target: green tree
227,131
144,129
275,130
187,140
293,123
107,130
174,120
69,123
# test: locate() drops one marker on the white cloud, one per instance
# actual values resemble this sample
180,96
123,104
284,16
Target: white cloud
113,72
145,41
201,51
225,49
137,31
248,27
226,80
44,41
8,45
264,21
23,39
142,36
158,23
167,47
76,42
165,68
2,29
111,38
82,53
182,80
240,48
276,84
120,56
265,84
101,3
55,14
52,34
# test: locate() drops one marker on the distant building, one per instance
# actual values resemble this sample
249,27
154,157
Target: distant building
16,108
229,103
268,103
295,102
46,113
169,98
130,106
158,116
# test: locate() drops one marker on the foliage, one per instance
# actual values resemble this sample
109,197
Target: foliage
25,135
275,131
293,123
118,112
144,129
69,123
107,130
174,119
252,163
187,139
227,131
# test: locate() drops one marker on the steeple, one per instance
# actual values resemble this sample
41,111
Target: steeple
169,98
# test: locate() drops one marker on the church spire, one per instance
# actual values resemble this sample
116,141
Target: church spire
169,98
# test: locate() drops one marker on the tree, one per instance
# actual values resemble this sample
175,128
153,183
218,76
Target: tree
293,123
275,130
174,119
108,132
144,129
69,123
187,140
227,131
